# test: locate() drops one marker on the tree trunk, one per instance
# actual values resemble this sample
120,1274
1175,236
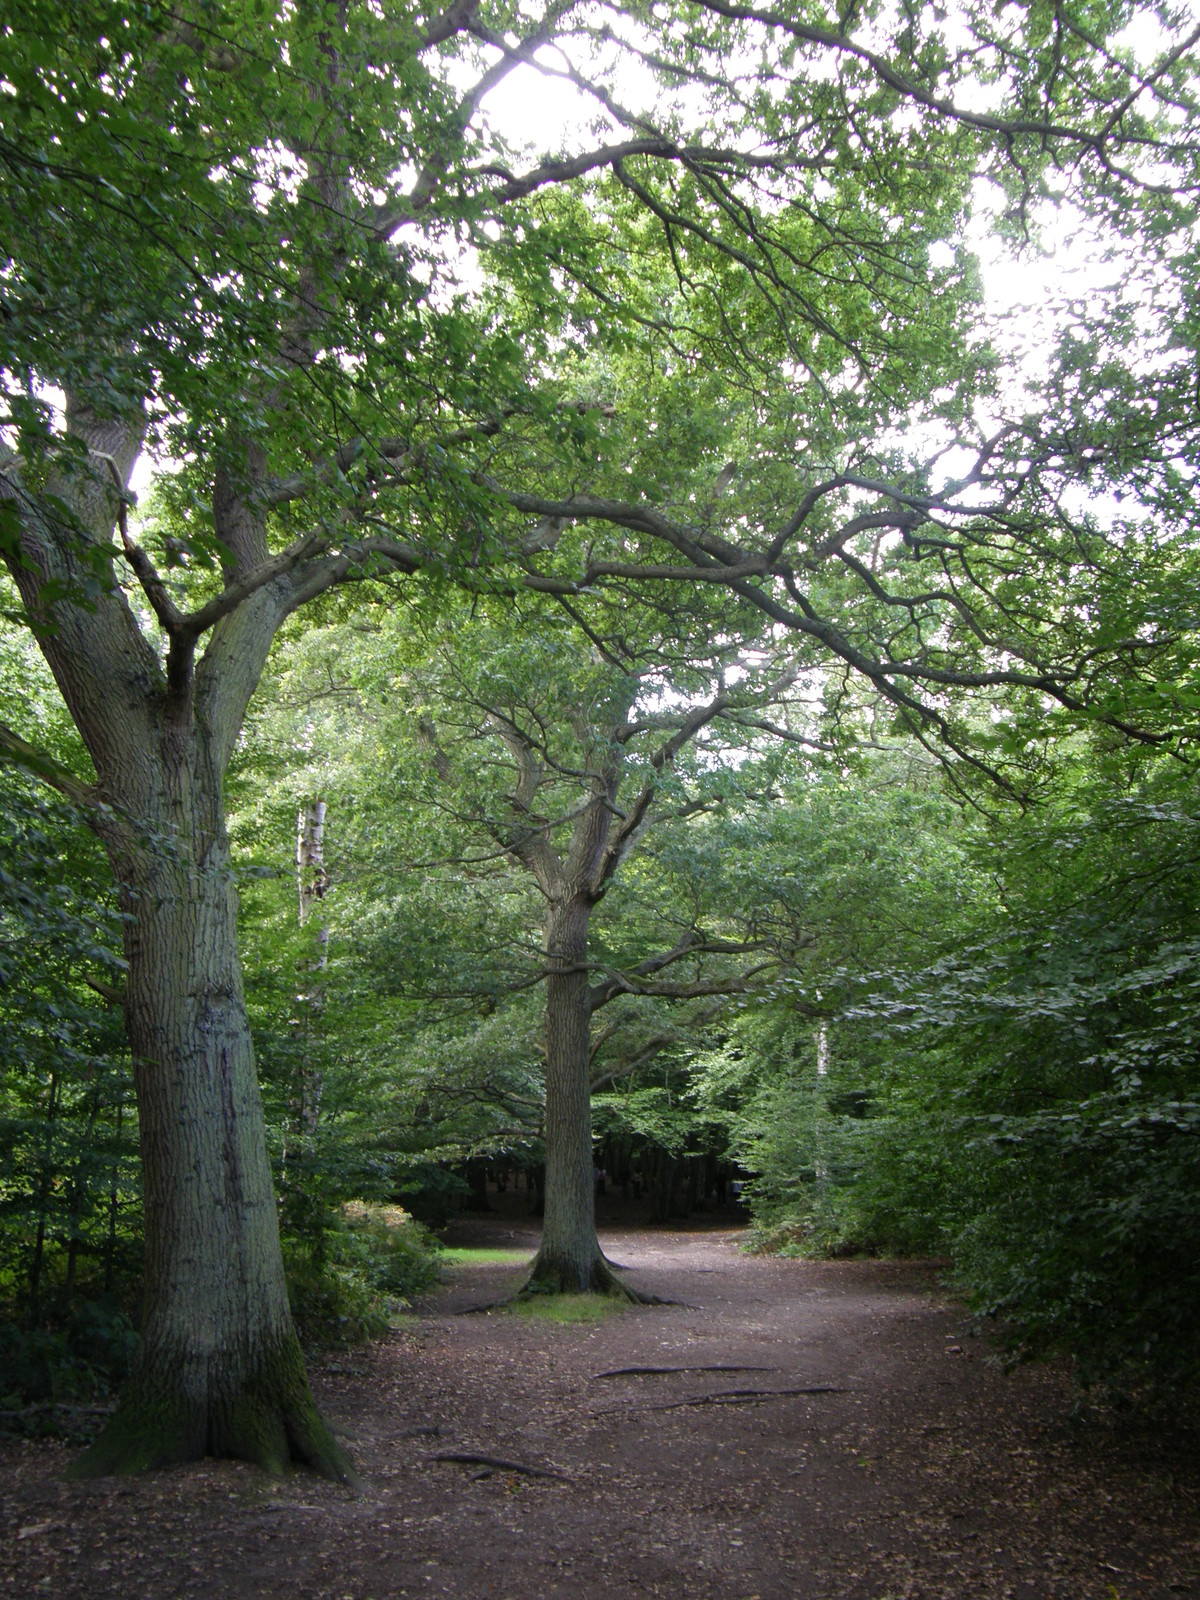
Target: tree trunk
302,1208
662,1185
218,1369
311,883
477,1182
114,1200
570,1259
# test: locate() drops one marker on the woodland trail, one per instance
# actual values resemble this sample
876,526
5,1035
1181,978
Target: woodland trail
922,1471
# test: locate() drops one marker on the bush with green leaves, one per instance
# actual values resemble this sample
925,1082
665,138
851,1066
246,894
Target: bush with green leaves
364,1269
83,1355
1081,1236
70,1204
1041,1082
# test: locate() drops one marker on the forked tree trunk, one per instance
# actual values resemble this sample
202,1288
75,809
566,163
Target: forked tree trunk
218,1369
570,1259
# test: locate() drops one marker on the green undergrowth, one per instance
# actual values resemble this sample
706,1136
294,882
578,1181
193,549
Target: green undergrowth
349,1281
567,1310
464,1256
56,1375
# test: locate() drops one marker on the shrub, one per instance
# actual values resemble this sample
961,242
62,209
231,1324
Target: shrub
44,1370
349,1283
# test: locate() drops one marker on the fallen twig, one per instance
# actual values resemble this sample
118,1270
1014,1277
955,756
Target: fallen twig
469,1459
42,1407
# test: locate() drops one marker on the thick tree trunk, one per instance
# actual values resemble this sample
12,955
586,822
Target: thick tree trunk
570,1259
218,1369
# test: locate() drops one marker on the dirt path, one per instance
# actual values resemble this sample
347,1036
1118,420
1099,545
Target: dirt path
925,1472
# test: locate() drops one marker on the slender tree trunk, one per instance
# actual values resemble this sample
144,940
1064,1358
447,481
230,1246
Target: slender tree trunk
662,1186
218,1369
311,883
302,1210
43,1194
114,1200
570,1259
477,1182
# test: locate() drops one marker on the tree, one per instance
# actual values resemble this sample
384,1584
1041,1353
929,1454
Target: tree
230,239
557,747
1040,1076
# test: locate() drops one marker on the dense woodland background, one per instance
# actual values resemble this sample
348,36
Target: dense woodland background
968,1029
730,519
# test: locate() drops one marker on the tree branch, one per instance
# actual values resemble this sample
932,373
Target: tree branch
100,815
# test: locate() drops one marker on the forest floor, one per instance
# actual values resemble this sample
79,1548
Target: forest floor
917,1468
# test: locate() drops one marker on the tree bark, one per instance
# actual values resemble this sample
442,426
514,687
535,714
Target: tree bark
570,1259
218,1369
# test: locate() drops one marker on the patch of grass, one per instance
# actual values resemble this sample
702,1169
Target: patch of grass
462,1256
567,1309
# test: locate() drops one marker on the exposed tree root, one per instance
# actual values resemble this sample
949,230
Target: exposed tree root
725,1397
468,1459
660,1372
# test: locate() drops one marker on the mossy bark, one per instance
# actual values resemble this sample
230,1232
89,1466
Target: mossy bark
550,1276
256,1406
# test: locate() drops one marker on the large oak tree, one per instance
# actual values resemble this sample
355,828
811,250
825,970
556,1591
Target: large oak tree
559,750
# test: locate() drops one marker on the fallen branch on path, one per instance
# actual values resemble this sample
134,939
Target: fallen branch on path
726,1397
468,1459
65,1408
659,1372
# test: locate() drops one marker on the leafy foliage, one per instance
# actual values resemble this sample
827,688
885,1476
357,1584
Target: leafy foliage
369,1262
716,376
1028,1100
